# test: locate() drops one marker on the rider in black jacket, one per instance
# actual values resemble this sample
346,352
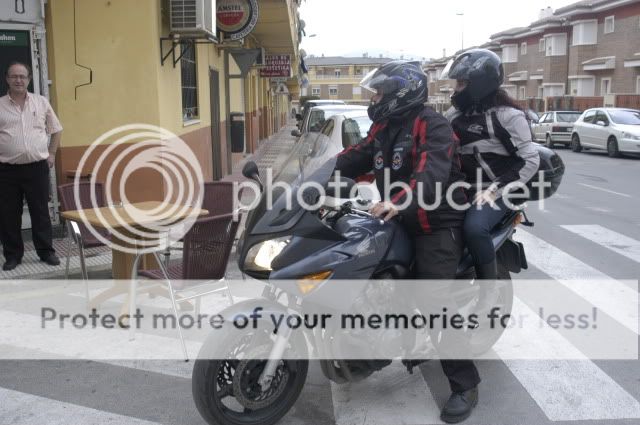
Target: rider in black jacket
415,145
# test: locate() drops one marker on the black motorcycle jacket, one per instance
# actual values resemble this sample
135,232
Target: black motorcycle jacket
420,151
502,138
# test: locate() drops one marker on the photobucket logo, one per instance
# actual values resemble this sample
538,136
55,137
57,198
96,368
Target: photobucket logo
122,157
312,195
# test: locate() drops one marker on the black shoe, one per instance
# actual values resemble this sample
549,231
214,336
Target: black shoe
51,259
459,406
10,264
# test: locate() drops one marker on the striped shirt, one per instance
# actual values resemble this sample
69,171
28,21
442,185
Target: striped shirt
24,133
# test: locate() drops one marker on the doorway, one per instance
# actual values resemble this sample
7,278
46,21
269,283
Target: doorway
19,42
14,46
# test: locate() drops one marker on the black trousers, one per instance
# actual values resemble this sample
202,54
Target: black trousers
437,257
30,182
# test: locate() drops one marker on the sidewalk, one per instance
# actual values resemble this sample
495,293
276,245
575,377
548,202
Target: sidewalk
271,153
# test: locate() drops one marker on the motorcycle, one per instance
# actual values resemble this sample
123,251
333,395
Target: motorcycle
298,253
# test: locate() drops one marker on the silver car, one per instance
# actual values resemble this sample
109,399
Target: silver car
555,127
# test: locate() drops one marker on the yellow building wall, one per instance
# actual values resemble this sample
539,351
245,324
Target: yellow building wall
114,46
104,61
112,40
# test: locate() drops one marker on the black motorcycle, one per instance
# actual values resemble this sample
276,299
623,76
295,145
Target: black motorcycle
255,376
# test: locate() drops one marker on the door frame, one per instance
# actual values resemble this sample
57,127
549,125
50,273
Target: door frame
216,129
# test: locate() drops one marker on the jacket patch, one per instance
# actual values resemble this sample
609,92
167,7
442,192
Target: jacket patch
475,128
396,161
378,161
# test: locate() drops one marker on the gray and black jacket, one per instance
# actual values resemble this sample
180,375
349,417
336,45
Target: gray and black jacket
502,137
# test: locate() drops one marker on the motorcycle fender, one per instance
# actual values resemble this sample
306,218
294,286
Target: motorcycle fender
246,309
512,255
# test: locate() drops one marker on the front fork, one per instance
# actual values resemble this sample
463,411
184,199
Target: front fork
276,354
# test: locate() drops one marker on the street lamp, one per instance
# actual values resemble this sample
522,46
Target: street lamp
461,15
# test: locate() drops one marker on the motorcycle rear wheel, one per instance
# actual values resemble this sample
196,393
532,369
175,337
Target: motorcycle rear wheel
483,340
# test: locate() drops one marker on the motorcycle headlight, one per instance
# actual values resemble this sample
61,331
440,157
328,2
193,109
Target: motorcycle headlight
630,136
260,256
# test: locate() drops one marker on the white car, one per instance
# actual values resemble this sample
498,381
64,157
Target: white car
317,115
342,131
555,127
616,130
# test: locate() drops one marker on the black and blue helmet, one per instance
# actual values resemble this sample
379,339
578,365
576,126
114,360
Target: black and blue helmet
403,85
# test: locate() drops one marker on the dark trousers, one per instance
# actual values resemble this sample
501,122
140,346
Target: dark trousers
437,257
30,182
477,230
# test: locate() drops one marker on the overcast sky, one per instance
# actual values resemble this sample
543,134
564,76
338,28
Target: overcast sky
419,28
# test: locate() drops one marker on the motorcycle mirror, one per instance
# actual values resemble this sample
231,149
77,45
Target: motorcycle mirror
341,188
250,171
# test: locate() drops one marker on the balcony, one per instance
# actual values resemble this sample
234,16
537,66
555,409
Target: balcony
518,76
598,64
336,77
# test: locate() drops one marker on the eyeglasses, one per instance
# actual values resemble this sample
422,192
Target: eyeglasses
18,77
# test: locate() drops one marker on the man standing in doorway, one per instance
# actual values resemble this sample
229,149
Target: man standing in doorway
26,155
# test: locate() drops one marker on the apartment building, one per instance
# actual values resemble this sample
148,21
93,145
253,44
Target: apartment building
440,90
589,48
338,77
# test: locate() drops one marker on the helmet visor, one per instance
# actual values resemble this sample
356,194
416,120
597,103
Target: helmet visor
373,80
446,71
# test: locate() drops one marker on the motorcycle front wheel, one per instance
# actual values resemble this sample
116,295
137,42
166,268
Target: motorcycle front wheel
226,391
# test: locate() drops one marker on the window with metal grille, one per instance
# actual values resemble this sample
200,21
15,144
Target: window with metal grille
189,82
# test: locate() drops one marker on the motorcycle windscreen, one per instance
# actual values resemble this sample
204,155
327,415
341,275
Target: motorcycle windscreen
291,197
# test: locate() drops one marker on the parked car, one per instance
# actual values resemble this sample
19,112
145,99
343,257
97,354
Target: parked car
345,129
317,115
341,131
310,104
555,127
616,130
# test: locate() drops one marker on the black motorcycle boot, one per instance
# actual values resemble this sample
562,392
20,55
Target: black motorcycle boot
459,406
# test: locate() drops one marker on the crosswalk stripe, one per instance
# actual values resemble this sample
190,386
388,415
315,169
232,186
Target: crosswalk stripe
27,409
614,241
565,390
391,396
613,298
24,331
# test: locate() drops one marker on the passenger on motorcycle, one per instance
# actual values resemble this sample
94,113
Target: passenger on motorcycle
416,145
495,147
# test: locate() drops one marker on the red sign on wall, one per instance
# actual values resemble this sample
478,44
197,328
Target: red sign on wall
276,66
236,18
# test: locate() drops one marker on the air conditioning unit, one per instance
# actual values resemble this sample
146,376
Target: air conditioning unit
193,17
262,58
